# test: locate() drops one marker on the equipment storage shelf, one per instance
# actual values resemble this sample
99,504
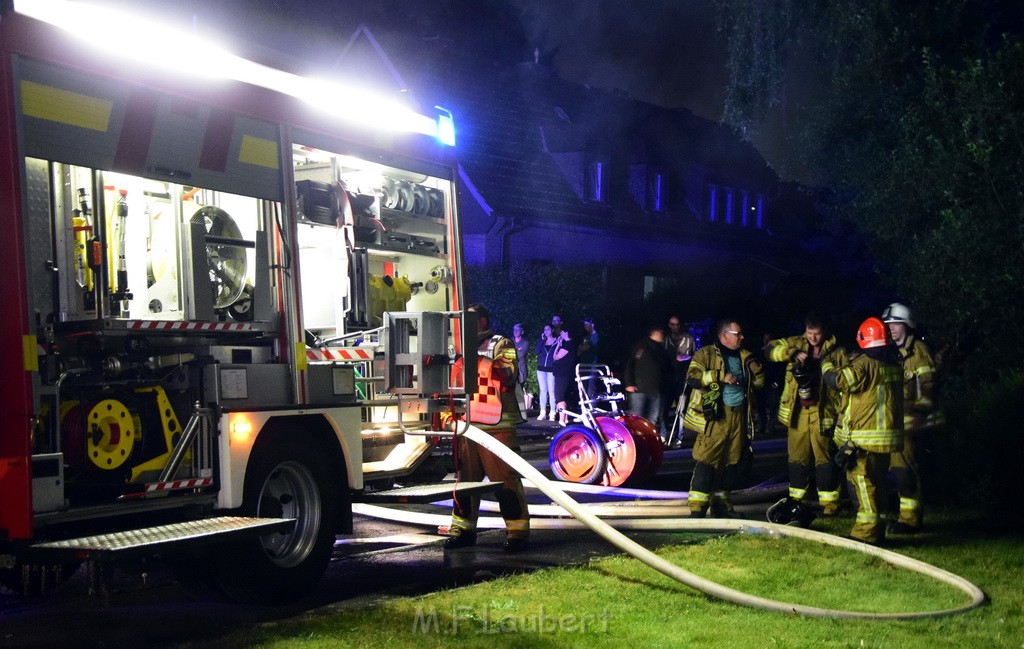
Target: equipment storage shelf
410,233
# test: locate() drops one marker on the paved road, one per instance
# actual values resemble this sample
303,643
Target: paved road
152,611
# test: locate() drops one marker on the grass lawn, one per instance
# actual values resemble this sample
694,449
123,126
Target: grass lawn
619,602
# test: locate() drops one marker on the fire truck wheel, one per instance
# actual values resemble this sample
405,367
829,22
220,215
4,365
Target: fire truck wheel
578,454
285,479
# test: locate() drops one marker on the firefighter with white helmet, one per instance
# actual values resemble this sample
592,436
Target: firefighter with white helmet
870,422
918,413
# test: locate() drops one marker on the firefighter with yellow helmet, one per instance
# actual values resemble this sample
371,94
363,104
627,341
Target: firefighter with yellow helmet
870,422
493,409
918,413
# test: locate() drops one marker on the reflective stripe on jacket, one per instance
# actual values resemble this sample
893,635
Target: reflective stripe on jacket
871,415
707,369
785,349
493,406
494,402
918,381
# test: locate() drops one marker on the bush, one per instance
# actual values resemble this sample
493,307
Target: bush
977,455
532,293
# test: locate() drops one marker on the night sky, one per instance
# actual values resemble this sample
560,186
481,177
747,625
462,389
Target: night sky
666,52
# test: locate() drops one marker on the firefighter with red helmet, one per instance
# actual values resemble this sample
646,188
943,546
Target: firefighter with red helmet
870,422
493,409
724,378
918,413
807,408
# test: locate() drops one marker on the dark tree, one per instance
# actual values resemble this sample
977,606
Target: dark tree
908,116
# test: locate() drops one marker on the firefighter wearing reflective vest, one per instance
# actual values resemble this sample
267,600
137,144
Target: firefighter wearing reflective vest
493,409
919,413
870,423
807,409
723,378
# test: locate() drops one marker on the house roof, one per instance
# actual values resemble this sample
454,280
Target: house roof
524,136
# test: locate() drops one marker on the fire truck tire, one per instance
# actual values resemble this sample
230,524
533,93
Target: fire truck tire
285,479
578,454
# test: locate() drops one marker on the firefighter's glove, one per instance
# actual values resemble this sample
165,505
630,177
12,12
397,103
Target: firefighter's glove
450,421
831,379
846,457
711,403
828,428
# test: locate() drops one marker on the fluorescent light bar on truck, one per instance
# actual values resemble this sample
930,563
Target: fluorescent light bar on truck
165,48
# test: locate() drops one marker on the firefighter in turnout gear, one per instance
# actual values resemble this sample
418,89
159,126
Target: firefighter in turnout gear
723,378
918,414
494,410
807,408
870,423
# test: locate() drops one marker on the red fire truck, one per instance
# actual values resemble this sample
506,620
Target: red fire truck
232,302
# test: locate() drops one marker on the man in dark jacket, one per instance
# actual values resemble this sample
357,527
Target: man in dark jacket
645,375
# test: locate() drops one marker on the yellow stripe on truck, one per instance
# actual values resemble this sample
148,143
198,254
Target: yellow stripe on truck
30,352
258,151
65,107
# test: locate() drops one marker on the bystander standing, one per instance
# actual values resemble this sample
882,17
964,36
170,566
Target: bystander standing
545,349
645,375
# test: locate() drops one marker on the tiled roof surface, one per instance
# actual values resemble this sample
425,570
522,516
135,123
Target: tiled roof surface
505,116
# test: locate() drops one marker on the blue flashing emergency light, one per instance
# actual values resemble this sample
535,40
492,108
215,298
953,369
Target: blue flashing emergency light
445,127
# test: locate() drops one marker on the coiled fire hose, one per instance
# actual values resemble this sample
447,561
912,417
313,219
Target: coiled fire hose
627,545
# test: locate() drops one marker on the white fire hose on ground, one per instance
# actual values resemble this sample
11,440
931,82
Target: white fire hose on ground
587,518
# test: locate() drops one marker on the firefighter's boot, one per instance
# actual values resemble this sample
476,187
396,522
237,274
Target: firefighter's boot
464,539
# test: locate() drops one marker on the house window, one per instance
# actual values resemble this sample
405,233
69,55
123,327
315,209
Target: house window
647,187
597,181
735,207
655,193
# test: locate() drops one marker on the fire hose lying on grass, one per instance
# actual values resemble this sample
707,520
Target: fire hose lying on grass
585,516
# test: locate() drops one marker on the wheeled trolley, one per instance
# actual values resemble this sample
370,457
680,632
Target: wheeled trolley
604,445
